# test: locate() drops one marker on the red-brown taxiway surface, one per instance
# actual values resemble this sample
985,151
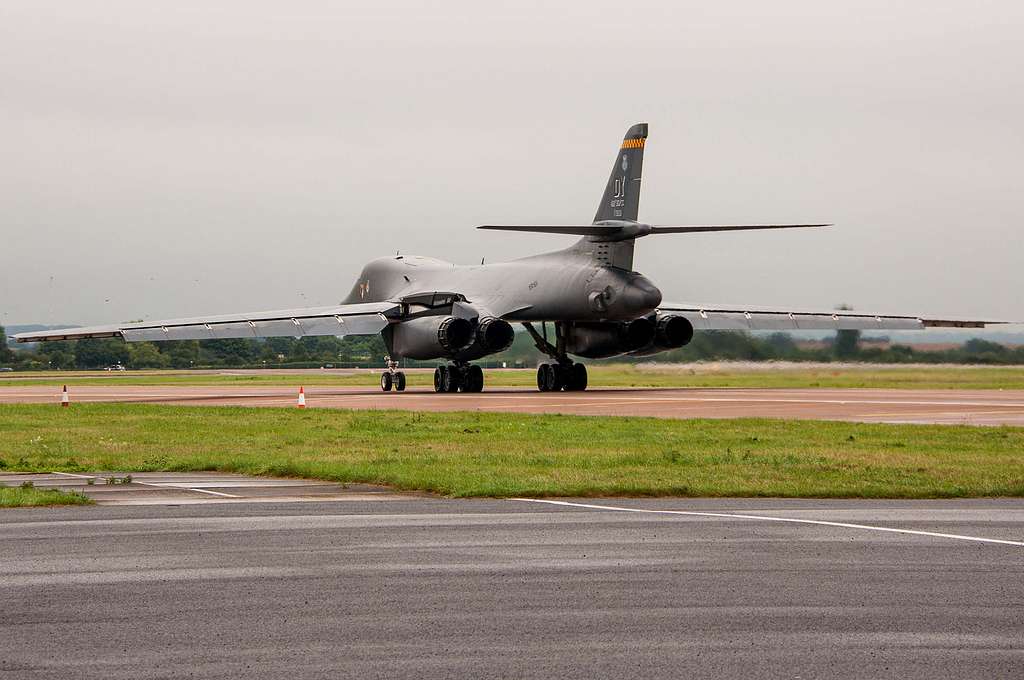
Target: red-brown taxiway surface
972,407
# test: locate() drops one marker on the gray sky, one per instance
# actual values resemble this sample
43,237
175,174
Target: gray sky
175,159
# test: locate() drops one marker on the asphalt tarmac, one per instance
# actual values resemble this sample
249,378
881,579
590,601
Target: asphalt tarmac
440,588
969,407
189,488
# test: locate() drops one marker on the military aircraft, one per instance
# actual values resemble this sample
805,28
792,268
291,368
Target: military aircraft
597,305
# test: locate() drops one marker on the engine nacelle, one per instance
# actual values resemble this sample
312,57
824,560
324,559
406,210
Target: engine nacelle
431,337
494,335
601,340
671,332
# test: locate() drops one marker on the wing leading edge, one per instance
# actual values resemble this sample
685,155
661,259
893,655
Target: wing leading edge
360,319
735,317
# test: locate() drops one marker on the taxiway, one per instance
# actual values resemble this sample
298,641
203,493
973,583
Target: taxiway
437,588
970,407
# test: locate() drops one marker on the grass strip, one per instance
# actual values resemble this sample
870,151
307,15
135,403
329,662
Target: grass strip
18,497
500,454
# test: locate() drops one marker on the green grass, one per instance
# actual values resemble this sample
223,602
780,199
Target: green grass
16,497
484,454
604,375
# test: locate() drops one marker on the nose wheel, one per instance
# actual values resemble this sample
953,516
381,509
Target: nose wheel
568,376
458,378
392,378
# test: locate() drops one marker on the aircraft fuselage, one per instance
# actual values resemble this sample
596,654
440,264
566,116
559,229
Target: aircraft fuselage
561,286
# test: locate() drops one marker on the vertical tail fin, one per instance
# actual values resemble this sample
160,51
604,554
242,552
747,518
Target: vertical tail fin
621,200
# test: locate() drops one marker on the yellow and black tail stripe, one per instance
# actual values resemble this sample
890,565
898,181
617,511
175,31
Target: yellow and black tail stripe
633,143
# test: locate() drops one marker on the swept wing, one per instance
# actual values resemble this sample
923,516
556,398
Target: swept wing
358,319
747,318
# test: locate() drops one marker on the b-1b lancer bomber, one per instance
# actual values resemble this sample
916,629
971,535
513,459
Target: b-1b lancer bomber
597,305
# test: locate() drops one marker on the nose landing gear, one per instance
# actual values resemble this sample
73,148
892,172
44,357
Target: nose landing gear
392,378
458,377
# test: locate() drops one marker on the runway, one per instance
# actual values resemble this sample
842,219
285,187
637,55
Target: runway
971,407
439,588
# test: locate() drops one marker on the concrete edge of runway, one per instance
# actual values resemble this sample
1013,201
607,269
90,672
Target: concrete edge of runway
176,489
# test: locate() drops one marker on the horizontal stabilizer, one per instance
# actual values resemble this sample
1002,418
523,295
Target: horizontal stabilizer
621,231
579,230
696,228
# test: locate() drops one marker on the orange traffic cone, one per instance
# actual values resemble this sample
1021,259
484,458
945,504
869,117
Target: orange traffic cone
302,398
64,400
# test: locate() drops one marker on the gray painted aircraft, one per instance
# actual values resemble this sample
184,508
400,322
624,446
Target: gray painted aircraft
598,306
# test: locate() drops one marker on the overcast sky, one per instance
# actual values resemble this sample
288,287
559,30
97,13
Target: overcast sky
176,159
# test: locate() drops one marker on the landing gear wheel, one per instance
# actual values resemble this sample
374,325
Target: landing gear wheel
441,379
385,382
576,378
474,380
399,381
557,378
454,381
549,378
543,377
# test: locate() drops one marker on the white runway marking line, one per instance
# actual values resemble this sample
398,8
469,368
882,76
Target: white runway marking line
166,486
213,493
844,525
71,474
186,487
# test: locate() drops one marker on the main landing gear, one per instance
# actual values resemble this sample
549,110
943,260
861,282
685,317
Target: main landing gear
392,378
570,376
564,374
458,377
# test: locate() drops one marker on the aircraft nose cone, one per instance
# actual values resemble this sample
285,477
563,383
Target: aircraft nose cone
642,295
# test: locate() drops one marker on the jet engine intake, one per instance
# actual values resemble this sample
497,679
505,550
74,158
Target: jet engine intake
671,332
431,337
602,340
453,334
494,335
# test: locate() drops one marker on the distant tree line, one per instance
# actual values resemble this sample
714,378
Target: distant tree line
272,352
730,345
369,351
